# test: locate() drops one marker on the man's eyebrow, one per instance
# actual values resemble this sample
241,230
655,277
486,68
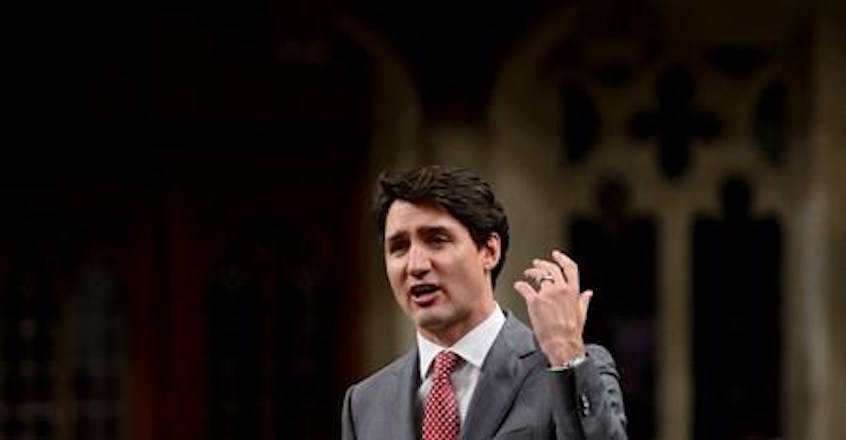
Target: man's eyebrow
396,236
434,230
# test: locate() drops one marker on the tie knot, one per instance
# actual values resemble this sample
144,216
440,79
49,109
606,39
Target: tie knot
445,363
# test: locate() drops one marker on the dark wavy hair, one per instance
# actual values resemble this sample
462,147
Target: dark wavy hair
463,193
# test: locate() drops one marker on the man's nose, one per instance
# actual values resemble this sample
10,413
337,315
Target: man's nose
418,262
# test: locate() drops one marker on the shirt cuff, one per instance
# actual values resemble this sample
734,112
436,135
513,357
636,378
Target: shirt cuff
570,365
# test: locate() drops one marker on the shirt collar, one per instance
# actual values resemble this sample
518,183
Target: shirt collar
472,347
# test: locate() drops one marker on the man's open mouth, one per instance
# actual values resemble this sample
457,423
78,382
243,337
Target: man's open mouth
424,293
423,289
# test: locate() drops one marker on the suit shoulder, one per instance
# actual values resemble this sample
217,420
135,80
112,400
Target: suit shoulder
602,358
599,353
386,373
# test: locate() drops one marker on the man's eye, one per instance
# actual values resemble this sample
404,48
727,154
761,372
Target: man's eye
440,238
397,247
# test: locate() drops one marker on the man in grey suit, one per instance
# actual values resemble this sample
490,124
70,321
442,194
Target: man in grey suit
477,372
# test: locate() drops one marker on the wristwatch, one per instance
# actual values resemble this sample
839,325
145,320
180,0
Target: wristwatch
575,362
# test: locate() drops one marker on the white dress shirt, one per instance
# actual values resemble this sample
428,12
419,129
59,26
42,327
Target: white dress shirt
472,348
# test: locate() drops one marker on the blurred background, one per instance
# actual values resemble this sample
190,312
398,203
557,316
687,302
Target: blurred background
186,250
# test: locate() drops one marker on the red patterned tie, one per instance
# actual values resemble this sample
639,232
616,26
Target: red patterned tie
441,419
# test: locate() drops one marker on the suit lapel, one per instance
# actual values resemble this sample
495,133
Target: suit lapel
405,424
501,377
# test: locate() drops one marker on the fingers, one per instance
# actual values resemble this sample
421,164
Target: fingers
549,268
535,272
537,276
564,270
525,290
568,266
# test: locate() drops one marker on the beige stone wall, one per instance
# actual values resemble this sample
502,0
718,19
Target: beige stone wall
815,356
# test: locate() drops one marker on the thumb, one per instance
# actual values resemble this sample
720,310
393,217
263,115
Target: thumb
584,301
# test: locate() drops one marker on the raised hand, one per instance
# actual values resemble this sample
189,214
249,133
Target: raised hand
557,308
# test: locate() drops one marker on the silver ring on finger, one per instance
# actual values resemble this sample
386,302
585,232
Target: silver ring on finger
546,277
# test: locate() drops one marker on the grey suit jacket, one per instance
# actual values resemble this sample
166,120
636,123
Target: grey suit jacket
517,397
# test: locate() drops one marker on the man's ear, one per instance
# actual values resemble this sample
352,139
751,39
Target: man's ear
491,251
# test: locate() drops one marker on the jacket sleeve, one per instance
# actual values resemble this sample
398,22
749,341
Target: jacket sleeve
588,402
347,422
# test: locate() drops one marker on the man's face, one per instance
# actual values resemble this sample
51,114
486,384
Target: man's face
440,279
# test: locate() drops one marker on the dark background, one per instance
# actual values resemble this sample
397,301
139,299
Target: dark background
183,185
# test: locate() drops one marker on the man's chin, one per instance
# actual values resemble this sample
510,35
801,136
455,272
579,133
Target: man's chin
432,320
